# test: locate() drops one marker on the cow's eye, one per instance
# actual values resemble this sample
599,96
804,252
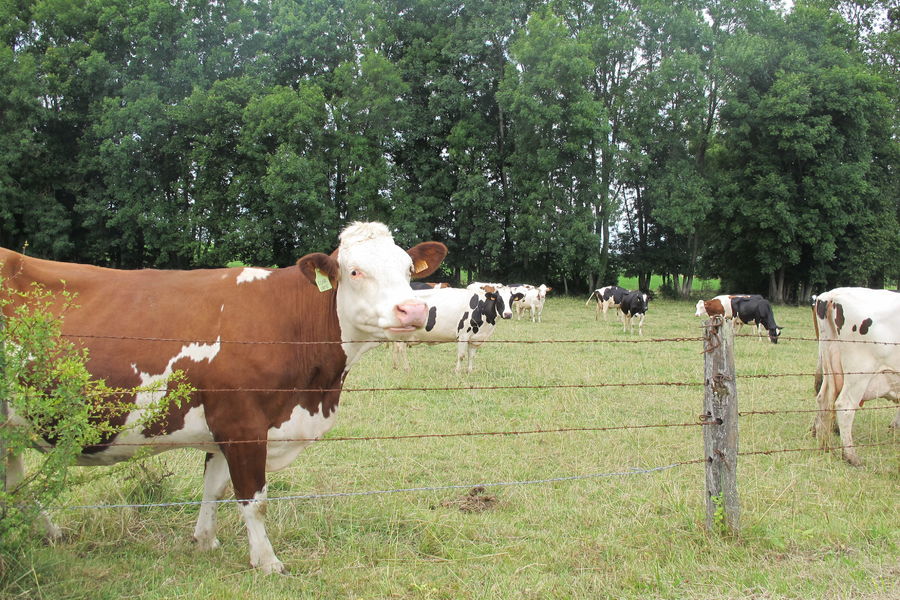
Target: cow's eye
356,274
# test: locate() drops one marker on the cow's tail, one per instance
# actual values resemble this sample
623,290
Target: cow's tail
591,297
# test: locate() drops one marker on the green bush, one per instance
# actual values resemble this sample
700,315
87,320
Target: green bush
54,403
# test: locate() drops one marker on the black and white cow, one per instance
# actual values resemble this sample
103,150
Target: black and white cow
607,297
755,309
634,304
465,316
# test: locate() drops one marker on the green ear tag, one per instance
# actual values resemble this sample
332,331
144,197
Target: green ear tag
322,281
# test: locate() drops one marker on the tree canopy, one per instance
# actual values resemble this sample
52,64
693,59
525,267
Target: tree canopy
556,141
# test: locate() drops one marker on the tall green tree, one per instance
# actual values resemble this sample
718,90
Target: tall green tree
805,142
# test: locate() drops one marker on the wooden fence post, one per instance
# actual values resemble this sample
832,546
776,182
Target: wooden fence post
720,433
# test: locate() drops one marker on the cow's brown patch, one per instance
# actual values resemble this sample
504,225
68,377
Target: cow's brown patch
714,307
864,326
821,308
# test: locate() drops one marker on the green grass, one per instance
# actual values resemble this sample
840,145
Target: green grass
812,526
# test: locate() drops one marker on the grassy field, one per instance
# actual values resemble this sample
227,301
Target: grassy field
812,526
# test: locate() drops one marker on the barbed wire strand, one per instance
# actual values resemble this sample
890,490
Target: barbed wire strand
417,436
488,341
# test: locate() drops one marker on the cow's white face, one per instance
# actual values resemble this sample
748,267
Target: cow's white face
374,296
701,309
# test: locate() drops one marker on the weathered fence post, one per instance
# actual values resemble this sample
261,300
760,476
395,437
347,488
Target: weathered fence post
720,432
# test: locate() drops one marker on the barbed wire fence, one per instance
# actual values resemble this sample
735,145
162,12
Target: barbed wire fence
719,422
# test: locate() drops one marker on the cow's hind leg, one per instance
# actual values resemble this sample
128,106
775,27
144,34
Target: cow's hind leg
845,411
247,465
215,480
15,473
895,424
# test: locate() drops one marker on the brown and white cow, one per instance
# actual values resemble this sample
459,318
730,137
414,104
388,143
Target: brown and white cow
859,358
250,341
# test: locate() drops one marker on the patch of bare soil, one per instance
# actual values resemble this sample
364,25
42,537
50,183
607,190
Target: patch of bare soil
477,500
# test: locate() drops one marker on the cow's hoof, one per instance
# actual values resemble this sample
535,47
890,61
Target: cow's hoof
206,544
275,567
852,459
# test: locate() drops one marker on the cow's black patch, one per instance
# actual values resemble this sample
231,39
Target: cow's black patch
864,327
432,318
462,322
473,301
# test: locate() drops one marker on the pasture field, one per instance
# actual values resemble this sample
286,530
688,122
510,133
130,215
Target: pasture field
812,526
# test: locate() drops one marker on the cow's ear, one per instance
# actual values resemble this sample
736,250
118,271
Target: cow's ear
517,296
317,268
426,258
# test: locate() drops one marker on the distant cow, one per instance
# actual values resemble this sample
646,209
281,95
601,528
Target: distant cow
634,304
508,295
859,358
757,310
465,316
720,305
607,297
533,302
255,407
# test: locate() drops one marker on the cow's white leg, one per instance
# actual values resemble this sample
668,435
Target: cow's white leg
895,424
262,555
641,324
247,466
845,412
215,480
15,473
471,356
461,351
399,357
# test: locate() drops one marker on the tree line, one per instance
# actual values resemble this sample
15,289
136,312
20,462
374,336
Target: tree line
556,141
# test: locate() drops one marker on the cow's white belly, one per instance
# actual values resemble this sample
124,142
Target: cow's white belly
295,434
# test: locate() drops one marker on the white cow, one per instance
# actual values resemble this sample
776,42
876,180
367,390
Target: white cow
465,316
859,358
533,302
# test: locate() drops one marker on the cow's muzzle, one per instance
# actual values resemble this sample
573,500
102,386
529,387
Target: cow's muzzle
410,315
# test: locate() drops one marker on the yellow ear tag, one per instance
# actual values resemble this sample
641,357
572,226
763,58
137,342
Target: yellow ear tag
420,266
322,281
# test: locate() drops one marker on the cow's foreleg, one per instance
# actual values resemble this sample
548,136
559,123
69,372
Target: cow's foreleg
895,424
398,355
461,352
641,324
247,464
15,473
215,480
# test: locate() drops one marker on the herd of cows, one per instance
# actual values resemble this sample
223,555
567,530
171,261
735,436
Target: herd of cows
267,350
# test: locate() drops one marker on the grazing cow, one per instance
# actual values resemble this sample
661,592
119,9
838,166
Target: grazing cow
533,301
755,309
607,297
634,304
859,358
465,316
284,388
